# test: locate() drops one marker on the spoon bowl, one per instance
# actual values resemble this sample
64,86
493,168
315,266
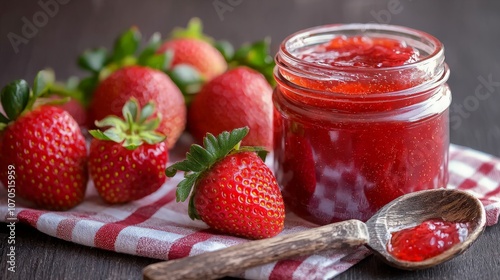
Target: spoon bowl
406,211
412,209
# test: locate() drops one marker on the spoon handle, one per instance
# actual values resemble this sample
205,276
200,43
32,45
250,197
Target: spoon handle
211,265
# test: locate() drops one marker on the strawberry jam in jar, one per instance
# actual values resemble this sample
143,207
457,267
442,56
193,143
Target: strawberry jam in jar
361,118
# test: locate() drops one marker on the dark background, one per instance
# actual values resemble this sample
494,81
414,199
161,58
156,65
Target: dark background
470,31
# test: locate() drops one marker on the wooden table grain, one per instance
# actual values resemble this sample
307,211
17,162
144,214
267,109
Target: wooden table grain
469,30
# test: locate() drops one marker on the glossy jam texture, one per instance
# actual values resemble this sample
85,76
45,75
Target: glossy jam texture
334,169
361,51
426,240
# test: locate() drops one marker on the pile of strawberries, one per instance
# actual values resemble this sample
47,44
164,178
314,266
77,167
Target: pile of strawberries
136,102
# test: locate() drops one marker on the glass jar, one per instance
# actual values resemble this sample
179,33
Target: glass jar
349,139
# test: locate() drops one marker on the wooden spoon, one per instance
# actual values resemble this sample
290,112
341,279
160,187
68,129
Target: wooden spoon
406,211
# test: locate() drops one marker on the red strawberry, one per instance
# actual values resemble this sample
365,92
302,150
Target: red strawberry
76,110
144,84
197,53
74,107
46,148
234,191
191,47
237,98
127,161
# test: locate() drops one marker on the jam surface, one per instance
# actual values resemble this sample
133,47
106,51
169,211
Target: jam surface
334,169
361,51
426,240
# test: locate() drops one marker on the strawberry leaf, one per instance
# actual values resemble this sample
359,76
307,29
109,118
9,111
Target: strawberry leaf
43,81
127,44
3,120
226,49
146,112
211,144
187,79
181,165
193,214
131,143
262,154
161,62
115,135
227,141
152,137
87,86
129,111
150,49
97,134
194,164
201,156
93,60
194,30
53,102
15,97
134,129
111,121
184,188
151,125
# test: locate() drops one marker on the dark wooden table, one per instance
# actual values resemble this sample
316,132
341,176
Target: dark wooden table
469,30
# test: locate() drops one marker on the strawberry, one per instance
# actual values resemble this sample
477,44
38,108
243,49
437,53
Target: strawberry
74,107
76,110
45,146
237,98
197,53
145,84
127,161
190,46
234,191
122,73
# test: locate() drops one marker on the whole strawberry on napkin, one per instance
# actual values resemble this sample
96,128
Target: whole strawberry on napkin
44,143
127,160
233,191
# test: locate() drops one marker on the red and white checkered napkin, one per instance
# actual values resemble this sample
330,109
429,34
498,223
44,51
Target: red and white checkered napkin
158,227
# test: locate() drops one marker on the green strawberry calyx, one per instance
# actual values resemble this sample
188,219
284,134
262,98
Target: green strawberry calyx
126,51
201,159
255,55
194,30
136,128
17,97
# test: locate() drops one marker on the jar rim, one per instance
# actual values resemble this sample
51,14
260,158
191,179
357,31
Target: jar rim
438,48
398,94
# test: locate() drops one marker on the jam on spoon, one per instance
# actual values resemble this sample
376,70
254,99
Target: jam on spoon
427,240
